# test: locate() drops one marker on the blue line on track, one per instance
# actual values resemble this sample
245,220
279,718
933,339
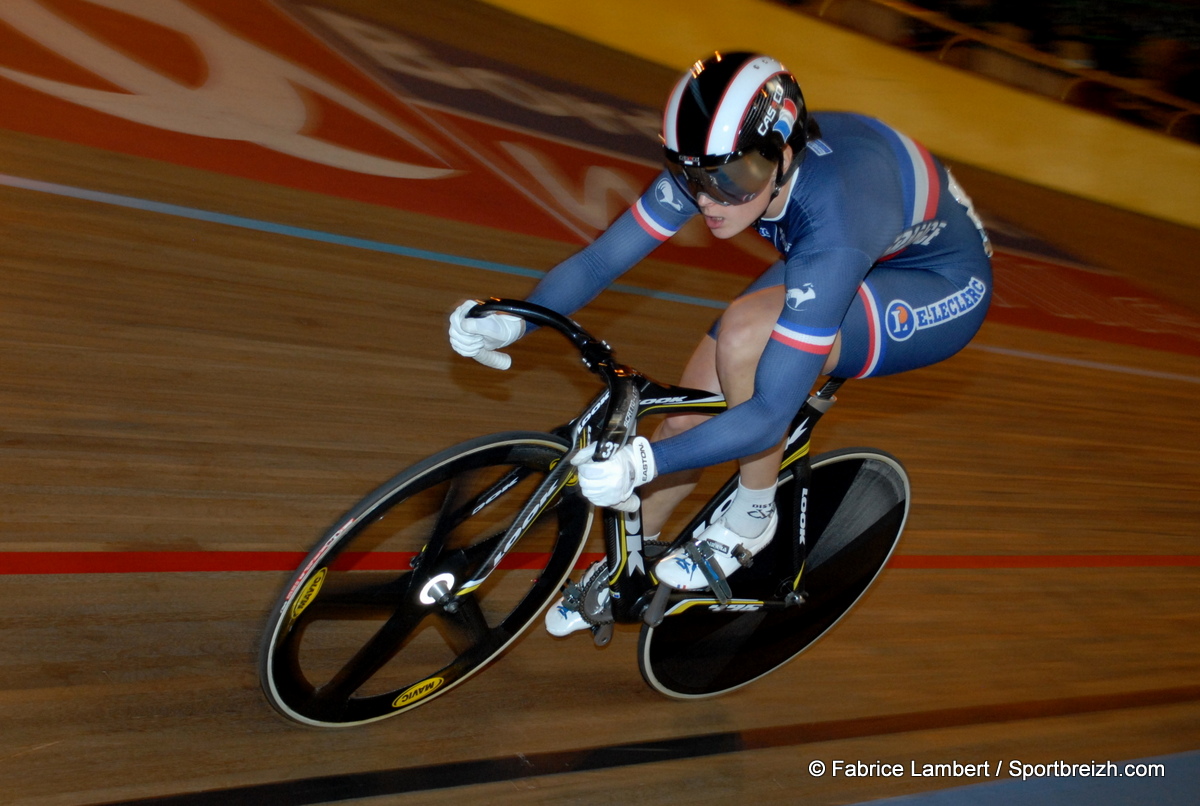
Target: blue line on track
147,205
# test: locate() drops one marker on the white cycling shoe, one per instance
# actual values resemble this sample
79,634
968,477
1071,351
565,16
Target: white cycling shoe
562,621
564,618
679,571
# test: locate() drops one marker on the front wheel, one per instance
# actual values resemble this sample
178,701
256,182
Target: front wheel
382,615
852,518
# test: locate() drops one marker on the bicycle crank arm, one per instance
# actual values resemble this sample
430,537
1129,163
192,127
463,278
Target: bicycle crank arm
658,606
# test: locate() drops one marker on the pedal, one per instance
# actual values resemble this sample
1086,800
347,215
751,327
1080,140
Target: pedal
572,596
701,554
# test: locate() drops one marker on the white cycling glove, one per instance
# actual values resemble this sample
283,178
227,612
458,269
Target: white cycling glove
481,338
611,483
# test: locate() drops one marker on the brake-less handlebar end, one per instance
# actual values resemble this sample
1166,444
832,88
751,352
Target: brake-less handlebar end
595,352
494,359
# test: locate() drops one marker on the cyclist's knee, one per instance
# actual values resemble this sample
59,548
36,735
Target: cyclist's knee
744,332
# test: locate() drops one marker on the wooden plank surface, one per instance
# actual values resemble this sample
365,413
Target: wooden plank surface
173,385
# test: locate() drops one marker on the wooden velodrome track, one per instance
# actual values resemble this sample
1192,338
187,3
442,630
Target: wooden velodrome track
173,389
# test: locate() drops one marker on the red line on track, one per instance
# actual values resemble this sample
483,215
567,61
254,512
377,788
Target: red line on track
158,562
971,561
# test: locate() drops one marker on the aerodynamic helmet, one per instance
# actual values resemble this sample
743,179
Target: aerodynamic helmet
726,123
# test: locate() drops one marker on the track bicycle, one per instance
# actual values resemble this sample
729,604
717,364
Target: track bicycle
435,573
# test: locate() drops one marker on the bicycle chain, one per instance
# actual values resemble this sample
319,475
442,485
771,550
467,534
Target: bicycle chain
585,598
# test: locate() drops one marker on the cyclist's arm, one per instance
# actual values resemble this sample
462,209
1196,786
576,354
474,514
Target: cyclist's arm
789,366
656,216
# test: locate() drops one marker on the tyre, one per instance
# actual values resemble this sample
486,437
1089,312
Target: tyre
380,618
853,517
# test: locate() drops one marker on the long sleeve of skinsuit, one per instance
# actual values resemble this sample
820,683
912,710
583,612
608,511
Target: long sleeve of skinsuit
862,195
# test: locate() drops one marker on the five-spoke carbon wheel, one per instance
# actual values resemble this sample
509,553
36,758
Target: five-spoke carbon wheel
381,616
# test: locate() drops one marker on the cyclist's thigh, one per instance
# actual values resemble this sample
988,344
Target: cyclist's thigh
701,369
905,318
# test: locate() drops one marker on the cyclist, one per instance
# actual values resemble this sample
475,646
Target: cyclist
885,268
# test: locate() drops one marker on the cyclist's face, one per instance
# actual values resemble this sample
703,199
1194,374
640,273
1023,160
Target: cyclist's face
727,220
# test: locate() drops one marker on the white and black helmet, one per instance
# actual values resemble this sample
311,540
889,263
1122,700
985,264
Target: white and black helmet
727,122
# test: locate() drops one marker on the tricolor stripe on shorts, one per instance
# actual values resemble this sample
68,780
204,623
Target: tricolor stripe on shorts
874,330
655,228
818,341
918,174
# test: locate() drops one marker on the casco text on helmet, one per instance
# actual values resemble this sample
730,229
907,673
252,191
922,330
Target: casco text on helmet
731,103
727,123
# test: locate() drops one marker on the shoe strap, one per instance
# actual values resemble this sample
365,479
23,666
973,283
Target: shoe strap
701,554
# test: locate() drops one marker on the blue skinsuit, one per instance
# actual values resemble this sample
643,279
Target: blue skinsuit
877,241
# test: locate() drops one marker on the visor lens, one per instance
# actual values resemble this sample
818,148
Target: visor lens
735,182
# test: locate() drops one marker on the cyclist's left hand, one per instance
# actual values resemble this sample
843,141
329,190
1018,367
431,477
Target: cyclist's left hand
612,482
481,338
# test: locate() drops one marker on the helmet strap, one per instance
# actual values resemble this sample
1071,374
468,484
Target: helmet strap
782,178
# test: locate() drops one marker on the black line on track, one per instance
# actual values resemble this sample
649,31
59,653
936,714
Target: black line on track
335,788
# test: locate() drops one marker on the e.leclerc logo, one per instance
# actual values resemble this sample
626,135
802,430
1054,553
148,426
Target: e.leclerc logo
900,320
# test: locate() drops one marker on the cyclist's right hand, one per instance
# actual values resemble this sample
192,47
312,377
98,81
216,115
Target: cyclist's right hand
481,338
611,483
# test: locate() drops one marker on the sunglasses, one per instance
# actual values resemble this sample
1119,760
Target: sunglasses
726,179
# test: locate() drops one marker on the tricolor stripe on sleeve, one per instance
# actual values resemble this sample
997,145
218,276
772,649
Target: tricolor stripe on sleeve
656,228
818,341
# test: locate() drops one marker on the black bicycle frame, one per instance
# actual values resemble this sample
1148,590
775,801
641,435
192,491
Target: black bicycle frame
611,421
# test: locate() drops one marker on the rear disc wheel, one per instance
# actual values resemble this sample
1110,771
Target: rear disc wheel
854,515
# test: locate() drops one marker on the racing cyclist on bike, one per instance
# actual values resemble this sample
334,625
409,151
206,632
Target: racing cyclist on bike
885,268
